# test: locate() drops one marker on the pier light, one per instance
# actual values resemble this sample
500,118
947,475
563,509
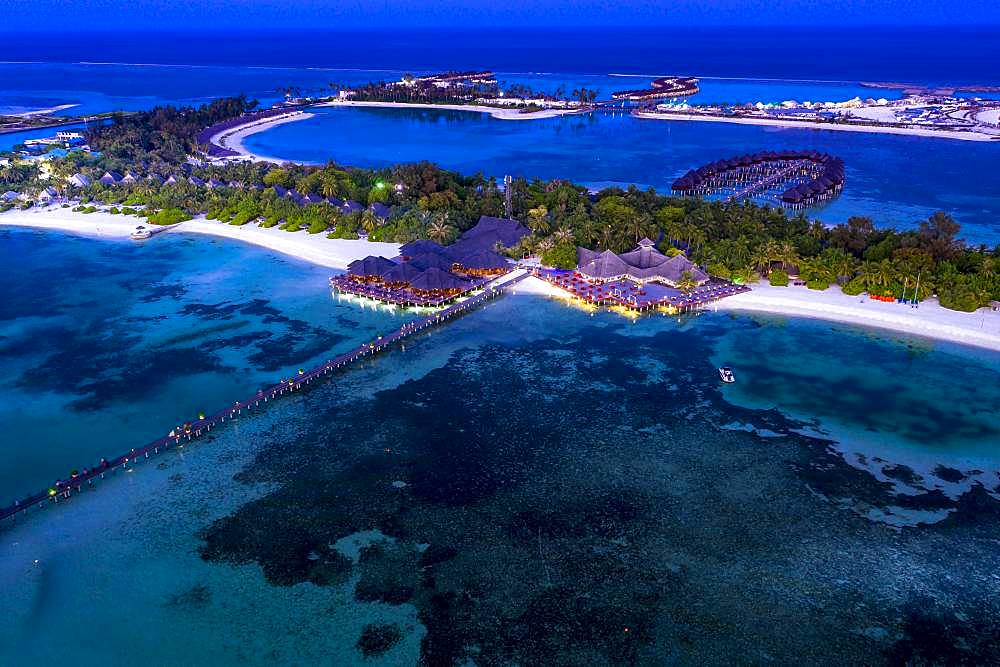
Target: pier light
52,492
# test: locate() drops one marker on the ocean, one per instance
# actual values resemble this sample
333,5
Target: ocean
531,483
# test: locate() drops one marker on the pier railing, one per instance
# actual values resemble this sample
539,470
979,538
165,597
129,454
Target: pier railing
64,489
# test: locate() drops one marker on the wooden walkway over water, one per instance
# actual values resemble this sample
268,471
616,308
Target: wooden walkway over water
65,489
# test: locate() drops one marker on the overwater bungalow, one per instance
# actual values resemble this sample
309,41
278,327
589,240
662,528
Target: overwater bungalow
800,178
437,283
483,263
369,269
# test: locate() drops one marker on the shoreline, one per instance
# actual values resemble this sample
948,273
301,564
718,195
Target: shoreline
232,138
810,125
496,112
312,248
980,329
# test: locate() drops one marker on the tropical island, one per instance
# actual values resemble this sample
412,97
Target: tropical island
920,113
151,168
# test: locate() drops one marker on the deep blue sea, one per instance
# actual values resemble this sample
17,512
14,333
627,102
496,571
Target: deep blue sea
531,484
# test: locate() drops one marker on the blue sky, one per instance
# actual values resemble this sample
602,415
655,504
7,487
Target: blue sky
460,13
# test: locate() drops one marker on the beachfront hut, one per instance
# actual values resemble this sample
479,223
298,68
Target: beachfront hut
370,269
351,206
79,180
173,179
110,178
438,282
280,191
9,197
155,179
129,178
380,211
313,198
194,180
48,194
214,183
334,202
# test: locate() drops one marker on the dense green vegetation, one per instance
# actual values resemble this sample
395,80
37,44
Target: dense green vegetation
737,241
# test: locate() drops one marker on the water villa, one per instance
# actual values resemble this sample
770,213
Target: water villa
431,275
794,179
641,280
662,88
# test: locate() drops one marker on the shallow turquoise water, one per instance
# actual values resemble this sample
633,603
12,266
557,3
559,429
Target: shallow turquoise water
106,345
551,449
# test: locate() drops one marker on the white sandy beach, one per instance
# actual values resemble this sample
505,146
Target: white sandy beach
233,137
980,329
313,248
809,125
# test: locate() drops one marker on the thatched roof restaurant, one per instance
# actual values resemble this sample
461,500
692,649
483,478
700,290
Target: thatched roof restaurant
644,264
370,268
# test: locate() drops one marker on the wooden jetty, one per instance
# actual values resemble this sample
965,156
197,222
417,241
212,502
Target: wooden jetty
64,489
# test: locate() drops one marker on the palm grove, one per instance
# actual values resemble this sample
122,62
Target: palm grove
738,241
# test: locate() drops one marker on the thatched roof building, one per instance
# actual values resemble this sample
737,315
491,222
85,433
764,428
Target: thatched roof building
644,264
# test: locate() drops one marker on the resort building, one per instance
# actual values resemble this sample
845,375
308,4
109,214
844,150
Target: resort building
789,178
110,178
662,88
429,274
79,180
9,197
642,265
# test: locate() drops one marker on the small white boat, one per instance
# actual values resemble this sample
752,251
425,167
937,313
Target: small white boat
140,234
726,373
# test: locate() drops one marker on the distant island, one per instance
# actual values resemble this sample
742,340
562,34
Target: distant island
918,114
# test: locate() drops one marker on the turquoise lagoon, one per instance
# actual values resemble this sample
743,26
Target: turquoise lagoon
106,345
896,180
518,486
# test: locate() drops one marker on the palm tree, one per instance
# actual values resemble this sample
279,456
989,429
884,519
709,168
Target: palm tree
687,282
439,230
369,221
538,219
563,235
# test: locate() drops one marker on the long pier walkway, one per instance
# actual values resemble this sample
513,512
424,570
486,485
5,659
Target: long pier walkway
65,489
